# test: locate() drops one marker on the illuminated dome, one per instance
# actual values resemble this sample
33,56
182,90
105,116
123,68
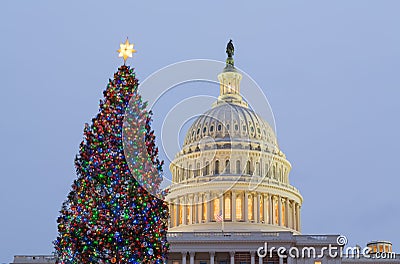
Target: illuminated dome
231,122
230,173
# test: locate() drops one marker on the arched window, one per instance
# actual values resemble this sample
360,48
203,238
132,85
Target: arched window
206,169
248,168
238,167
227,167
197,170
190,172
216,168
258,169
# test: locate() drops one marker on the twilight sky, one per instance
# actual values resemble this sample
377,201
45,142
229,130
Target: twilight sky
330,70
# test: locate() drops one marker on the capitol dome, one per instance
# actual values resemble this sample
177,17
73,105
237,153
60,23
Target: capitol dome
230,174
231,122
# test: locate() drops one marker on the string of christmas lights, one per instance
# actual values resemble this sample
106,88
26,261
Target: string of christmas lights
110,215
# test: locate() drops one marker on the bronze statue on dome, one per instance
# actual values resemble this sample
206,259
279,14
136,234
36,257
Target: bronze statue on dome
230,49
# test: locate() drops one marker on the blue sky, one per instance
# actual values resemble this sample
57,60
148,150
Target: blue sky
330,71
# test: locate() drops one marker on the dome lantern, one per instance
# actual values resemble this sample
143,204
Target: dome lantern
229,81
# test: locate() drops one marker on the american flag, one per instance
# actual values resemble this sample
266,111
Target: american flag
218,217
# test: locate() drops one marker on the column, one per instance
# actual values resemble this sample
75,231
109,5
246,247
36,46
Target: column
298,217
184,210
293,215
200,208
212,255
171,216
233,208
260,260
289,260
271,209
257,208
184,253
266,208
176,211
208,207
191,210
245,207
221,205
195,209
287,212
279,210
280,260
253,259
192,257
232,253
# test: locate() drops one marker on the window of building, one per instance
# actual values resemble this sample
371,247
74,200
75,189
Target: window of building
196,171
276,215
206,170
267,171
180,214
216,210
188,208
239,207
227,205
219,127
216,168
211,128
248,168
227,166
190,171
317,262
258,169
250,207
204,209
175,262
202,262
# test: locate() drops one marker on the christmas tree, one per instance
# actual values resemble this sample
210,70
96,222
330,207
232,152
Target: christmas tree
111,214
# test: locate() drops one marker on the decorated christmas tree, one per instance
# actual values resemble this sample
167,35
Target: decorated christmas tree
111,214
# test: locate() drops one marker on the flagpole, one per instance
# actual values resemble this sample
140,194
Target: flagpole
222,216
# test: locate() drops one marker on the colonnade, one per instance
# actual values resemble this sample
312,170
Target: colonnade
235,206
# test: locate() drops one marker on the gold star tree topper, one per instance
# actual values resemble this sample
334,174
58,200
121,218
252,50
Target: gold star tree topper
126,50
